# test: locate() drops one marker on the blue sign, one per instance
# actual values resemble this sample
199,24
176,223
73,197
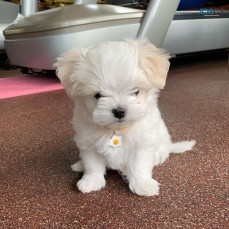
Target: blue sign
207,11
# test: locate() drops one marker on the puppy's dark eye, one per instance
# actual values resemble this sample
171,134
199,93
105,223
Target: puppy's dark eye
98,95
136,92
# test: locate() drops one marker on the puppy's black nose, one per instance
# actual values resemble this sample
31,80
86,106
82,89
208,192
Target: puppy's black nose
119,112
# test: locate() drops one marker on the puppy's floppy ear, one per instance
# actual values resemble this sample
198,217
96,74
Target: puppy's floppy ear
66,66
154,62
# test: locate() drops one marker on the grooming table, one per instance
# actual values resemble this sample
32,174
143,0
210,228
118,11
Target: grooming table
37,40
8,13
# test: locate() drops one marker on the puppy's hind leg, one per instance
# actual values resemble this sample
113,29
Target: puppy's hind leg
180,147
78,166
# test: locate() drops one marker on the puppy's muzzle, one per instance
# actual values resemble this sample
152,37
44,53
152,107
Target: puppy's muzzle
119,112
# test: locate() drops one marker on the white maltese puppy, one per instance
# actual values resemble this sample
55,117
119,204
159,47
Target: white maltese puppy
118,125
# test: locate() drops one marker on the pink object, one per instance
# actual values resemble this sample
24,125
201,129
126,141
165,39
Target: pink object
26,85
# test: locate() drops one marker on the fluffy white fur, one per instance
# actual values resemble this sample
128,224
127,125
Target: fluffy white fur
125,76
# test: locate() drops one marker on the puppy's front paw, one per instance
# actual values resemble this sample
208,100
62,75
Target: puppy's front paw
92,182
144,187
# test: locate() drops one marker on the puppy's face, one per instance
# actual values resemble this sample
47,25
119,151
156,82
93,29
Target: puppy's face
114,80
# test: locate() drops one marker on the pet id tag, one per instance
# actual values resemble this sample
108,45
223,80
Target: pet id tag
115,141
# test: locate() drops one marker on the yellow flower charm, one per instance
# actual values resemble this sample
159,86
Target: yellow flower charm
115,141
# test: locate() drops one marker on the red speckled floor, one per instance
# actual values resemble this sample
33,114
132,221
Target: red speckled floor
37,188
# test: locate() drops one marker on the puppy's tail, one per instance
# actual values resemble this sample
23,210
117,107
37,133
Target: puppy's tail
180,147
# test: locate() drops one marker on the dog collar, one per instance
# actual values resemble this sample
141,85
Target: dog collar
120,129
116,140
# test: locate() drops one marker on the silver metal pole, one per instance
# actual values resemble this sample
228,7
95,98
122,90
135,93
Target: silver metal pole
157,19
29,7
